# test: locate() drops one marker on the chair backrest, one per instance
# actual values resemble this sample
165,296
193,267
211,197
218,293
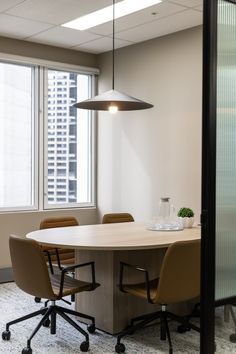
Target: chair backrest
117,217
180,273
58,222
62,221
29,267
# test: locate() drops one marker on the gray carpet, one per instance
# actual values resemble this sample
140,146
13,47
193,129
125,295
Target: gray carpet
15,303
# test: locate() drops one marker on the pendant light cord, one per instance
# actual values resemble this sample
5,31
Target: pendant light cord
113,47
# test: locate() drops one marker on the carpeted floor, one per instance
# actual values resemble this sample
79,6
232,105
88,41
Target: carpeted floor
14,303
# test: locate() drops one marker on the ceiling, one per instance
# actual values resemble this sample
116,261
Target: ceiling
39,21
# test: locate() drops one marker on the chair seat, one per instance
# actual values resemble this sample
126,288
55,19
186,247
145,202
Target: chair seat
71,285
139,289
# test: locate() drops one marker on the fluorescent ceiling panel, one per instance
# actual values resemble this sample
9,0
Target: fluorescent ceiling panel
104,15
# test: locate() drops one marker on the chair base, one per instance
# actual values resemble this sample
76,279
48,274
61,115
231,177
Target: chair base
49,317
38,300
143,321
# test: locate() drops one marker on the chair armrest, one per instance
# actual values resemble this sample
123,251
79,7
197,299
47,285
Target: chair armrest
76,266
144,271
49,260
58,260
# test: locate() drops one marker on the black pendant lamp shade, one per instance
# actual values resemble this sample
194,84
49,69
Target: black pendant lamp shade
113,100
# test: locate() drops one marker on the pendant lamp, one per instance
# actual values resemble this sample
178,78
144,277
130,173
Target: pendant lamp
113,100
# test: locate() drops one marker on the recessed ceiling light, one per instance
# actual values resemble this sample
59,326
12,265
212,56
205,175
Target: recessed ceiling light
104,15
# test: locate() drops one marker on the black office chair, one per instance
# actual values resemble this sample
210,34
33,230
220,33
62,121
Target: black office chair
32,276
179,281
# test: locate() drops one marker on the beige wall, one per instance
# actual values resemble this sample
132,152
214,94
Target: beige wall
46,52
21,223
144,155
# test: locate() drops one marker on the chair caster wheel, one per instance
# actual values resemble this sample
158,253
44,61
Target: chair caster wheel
91,328
232,338
84,346
120,348
46,323
37,299
6,335
26,350
182,329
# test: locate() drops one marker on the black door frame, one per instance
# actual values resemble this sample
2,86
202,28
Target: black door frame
208,215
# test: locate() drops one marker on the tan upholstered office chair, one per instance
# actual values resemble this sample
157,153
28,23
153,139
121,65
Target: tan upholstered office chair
32,276
179,281
117,217
58,257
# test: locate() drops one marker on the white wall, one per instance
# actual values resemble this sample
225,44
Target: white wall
143,155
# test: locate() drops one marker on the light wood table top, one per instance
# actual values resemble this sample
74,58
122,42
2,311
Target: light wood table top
119,236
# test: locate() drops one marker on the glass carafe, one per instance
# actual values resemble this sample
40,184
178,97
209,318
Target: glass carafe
165,210
166,219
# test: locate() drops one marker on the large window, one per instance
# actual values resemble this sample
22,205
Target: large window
69,143
17,138
68,151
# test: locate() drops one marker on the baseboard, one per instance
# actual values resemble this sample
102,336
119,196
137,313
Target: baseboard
6,275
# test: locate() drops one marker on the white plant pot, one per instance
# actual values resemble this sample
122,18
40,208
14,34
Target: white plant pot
187,222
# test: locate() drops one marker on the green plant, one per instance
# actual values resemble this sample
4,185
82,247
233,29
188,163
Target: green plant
185,213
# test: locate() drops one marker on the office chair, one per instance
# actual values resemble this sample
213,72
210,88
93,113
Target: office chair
179,281
117,217
58,257
32,276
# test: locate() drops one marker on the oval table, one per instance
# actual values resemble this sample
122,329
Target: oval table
107,245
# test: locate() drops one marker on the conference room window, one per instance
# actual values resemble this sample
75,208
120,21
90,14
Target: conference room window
76,132
63,141
17,137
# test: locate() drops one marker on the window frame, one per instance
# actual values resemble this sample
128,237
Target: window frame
39,125
71,205
34,137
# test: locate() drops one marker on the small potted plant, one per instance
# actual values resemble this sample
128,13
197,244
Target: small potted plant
186,216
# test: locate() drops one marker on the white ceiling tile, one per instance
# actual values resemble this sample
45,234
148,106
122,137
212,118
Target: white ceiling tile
63,37
87,6
56,11
39,20
162,10
102,45
188,3
7,4
175,23
16,27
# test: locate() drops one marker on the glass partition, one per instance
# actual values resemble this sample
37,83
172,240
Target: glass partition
225,279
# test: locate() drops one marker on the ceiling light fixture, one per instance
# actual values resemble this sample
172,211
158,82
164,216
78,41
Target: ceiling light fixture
104,15
113,100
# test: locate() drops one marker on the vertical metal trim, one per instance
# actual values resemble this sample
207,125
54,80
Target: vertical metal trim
208,177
